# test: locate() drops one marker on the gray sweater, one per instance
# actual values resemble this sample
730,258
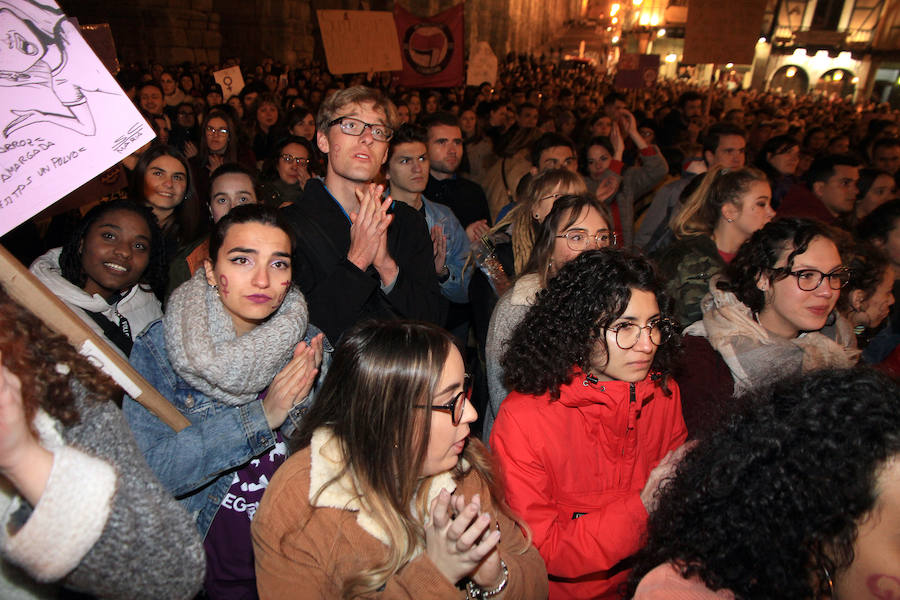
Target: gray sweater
104,524
508,313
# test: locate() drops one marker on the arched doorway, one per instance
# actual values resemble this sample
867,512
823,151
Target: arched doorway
836,82
790,78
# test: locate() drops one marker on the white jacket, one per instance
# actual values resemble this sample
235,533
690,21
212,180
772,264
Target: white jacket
139,306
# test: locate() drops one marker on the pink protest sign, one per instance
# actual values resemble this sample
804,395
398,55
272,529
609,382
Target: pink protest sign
63,118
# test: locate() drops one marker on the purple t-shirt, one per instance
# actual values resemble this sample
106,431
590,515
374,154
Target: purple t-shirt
230,573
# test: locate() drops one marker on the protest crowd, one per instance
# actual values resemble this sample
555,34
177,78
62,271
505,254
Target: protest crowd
538,338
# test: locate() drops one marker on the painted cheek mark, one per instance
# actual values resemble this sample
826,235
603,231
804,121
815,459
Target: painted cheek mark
223,285
884,587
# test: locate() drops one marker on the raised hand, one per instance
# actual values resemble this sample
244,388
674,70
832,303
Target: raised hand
23,461
477,229
662,471
293,382
439,246
190,149
368,226
607,188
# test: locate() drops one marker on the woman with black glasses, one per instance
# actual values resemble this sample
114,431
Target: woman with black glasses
593,421
285,173
763,323
388,496
220,143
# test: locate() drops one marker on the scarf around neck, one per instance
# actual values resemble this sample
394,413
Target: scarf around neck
206,352
753,355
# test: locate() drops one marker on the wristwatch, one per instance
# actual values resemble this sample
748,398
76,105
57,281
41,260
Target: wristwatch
444,275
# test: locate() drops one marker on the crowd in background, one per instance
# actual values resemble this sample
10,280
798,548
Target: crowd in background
597,296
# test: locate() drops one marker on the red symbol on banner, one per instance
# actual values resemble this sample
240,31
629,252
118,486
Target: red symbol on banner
428,47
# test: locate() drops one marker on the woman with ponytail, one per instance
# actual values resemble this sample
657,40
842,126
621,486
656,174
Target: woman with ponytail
717,218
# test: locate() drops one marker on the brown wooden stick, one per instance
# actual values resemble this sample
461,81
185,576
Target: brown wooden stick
23,287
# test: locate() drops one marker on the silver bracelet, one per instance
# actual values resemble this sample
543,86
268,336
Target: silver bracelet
474,592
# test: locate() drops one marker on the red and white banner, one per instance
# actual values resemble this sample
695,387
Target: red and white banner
431,47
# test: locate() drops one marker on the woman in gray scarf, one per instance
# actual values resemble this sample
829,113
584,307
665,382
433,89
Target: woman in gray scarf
236,355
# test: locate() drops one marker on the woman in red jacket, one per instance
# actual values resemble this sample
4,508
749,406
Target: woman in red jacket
588,432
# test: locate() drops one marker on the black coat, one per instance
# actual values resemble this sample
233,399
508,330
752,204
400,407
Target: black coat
338,293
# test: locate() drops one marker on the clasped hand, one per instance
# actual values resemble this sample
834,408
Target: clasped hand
460,542
368,228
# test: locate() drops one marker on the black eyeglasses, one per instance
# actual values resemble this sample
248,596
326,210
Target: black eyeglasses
810,279
628,334
580,239
355,127
457,405
289,158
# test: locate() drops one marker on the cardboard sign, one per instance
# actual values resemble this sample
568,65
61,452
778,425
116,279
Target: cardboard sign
482,65
63,118
359,41
718,32
637,71
231,80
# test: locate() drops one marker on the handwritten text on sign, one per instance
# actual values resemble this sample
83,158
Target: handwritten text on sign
63,118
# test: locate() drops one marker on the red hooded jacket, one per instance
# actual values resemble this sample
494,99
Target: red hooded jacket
574,470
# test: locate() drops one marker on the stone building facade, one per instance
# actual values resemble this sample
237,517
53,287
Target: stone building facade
174,31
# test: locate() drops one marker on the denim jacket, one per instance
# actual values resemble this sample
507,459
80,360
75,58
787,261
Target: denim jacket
196,464
456,288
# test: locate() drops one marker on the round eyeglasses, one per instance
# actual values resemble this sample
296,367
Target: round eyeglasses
580,239
290,158
213,131
810,279
457,405
355,127
628,334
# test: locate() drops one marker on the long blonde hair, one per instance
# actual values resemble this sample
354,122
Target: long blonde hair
703,209
520,219
379,385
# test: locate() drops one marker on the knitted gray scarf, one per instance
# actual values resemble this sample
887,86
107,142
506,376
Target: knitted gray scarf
204,349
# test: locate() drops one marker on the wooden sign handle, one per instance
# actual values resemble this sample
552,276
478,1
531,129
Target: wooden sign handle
23,287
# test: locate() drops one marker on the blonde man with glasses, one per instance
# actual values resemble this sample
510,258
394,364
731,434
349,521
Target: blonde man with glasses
359,254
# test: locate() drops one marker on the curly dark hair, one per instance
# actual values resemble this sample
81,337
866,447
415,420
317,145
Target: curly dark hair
46,364
571,315
154,276
868,265
775,494
758,255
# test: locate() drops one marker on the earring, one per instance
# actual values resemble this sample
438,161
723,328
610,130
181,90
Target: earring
730,220
829,581
537,217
